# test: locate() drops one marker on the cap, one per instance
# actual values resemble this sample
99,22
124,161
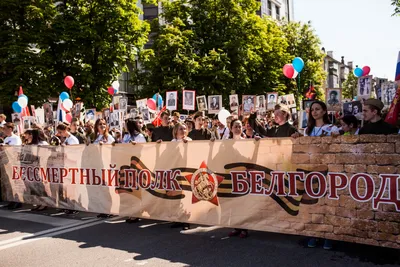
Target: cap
374,102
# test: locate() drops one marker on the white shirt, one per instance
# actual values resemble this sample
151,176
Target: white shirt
224,132
326,129
179,140
13,140
100,137
138,138
71,140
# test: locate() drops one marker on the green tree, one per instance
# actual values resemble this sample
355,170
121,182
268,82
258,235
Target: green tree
94,41
214,47
304,43
23,26
350,86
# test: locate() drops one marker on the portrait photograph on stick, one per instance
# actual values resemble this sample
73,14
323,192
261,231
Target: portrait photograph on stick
172,100
188,99
201,103
214,103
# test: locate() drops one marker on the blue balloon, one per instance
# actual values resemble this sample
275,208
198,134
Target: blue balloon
115,91
298,64
358,72
159,98
16,107
64,95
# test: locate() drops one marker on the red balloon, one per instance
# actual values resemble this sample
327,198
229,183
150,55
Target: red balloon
110,90
366,70
288,71
151,104
69,82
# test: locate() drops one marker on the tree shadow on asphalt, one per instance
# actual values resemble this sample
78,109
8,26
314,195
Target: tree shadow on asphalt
210,246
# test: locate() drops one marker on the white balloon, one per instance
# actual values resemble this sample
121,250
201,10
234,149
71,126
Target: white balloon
295,74
68,104
115,85
23,102
223,114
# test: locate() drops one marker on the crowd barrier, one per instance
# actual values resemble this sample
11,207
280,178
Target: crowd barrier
344,188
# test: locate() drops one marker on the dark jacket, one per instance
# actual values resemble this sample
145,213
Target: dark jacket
379,127
163,132
202,134
285,130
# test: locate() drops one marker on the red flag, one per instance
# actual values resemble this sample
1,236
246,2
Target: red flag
311,93
157,121
394,109
25,111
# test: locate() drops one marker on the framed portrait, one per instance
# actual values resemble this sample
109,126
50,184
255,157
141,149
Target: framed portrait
234,102
214,104
201,102
39,116
333,99
28,121
307,105
172,100
90,114
287,100
141,104
15,117
388,92
48,113
114,119
146,115
106,115
133,113
272,100
77,110
260,103
364,87
188,99
303,119
99,115
353,108
248,102
123,104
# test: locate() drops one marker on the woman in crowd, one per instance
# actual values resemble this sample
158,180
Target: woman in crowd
180,133
249,131
133,134
349,125
318,122
101,133
282,127
31,137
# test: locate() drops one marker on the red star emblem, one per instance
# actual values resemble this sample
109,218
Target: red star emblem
204,184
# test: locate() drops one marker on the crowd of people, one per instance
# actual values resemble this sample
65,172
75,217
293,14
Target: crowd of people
277,123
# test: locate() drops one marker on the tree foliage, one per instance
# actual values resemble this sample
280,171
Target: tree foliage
214,47
93,41
350,86
304,43
396,4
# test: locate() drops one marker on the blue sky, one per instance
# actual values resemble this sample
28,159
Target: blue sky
363,31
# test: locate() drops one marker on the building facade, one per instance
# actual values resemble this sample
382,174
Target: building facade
277,9
337,70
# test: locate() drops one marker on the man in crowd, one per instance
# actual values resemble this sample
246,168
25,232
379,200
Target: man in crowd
163,132
11,139
199,132
372,112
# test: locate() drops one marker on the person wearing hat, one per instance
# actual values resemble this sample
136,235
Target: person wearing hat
372,112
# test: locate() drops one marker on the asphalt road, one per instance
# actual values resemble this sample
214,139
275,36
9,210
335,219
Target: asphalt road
51,238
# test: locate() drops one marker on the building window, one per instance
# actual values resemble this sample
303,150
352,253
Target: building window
269,5
278,12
